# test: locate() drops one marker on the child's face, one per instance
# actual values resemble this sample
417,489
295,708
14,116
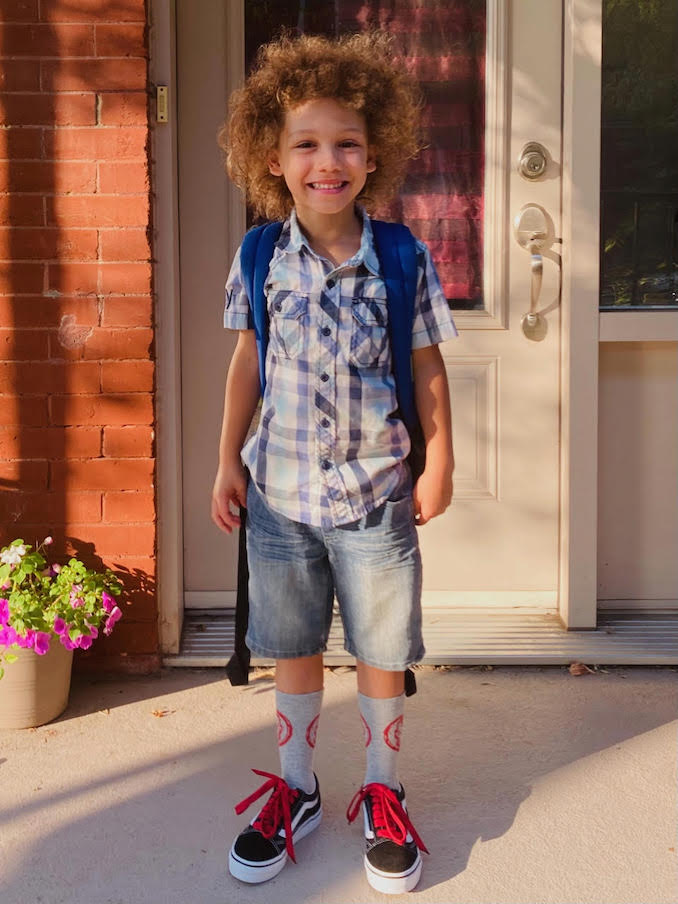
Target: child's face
323,156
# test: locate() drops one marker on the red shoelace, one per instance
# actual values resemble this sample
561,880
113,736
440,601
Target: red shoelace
276,808
390,818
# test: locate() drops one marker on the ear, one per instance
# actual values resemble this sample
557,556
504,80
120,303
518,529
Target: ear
274,167
371,164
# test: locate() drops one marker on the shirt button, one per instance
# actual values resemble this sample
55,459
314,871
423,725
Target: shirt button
324,422
324,377
326,331
278,306
326,465
331,283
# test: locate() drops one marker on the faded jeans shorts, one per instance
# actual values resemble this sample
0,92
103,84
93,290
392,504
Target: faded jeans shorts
373,565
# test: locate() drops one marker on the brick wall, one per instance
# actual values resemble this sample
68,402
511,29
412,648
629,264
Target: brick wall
76,328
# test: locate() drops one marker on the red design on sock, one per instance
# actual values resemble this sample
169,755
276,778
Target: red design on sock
312,732
284,729
366,730
392,733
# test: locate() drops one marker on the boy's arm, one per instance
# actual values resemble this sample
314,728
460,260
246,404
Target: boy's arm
432,493
240,402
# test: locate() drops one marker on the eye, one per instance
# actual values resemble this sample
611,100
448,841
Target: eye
307,143
349,143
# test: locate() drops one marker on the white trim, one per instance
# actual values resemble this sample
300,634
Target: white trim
638,326
162,68
494,316
210,599
582,44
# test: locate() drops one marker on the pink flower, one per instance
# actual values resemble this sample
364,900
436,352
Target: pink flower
115,616
77,602
47,541
67,642
59,625
26,641
4,612
56,568
41,642
84,642
7,636
107,601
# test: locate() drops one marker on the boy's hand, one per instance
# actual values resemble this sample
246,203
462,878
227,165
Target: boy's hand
431,495
230,488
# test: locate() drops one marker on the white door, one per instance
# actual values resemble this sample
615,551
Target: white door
497,546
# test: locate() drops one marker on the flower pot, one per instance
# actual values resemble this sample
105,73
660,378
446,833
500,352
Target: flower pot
34,689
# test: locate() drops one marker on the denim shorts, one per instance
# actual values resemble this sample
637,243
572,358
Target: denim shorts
373,565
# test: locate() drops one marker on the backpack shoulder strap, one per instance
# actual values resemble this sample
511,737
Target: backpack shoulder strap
397,253
256,252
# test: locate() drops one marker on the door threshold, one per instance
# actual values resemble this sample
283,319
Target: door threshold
491,637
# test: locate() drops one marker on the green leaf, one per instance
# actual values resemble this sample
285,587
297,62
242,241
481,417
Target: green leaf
11,657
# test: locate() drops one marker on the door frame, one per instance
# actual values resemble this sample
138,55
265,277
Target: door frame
580,155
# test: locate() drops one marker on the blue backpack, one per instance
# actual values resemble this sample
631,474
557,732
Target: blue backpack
397,253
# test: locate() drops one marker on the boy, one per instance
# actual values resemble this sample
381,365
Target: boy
318,126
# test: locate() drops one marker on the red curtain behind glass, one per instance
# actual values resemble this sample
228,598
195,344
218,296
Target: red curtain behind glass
443,45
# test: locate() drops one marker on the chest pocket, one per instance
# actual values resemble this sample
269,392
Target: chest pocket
288,312
369,335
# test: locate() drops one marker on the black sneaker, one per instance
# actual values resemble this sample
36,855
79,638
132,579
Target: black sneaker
392,858
261,851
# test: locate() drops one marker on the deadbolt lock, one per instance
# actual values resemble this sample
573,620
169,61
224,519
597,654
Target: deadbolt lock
533,160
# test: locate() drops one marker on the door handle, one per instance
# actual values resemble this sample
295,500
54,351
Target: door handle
530,230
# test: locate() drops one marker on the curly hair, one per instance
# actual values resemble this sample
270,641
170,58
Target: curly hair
356,71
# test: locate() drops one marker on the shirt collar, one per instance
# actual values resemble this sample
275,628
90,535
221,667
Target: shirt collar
365,254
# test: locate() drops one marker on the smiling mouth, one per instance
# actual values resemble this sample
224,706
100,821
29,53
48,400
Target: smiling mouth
328,186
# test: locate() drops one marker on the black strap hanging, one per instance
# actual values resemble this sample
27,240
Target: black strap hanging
238,667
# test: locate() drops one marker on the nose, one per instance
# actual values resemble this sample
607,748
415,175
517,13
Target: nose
328,159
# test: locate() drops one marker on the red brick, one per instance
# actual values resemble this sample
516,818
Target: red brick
40,176
124,245
21,210
138,539
137,573
50,442
129,506
19,11
73,279
20,144
24,475
128,442
20,75
49,312
55,508
105,343
50,40
127,376
21,278
126,279
98,211
23,345
48,109
23,410
132,408
93,11
129,310
93,75
103,474
132,637
44,376
123,178
120,40
48,244
101,143
123,109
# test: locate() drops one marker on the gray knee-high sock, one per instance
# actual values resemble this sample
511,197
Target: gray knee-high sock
298,716
382,721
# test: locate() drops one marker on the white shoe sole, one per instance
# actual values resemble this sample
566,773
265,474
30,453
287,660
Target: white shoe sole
250,872
388,884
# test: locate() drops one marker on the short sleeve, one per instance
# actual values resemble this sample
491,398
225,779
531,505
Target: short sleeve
237,313
433,322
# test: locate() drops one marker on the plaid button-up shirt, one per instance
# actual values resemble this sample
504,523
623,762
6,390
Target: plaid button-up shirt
329,447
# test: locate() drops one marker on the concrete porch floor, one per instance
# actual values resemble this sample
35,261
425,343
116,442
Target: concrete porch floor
528,785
